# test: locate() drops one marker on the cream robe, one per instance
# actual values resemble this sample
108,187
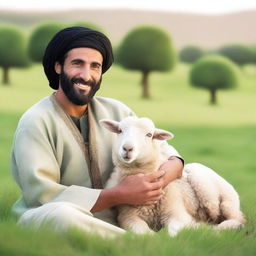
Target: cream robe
48,159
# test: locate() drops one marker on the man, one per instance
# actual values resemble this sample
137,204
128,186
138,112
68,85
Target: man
61,156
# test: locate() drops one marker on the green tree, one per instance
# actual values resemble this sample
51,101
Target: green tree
146,49
190,54
12,50
39,39
253,48
238,53
213,72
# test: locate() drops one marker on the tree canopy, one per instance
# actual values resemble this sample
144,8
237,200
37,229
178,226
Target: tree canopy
39,39
191,53
146,49
12,50
214,72
239,53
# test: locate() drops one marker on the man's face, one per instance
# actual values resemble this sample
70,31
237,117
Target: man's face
81,74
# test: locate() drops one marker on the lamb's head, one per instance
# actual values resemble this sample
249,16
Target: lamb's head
136,138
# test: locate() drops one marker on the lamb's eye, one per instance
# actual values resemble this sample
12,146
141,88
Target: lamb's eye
120,131
149,135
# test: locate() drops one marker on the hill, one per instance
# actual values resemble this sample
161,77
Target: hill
208,31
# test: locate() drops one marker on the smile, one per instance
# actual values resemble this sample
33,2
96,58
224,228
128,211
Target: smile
83,87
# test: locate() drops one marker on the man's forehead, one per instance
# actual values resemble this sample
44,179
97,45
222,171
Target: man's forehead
84,52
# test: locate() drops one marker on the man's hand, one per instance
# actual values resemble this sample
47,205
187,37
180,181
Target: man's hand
141,189
173,169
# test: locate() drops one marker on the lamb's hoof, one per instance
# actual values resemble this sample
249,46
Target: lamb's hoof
150,232
195,225
174,227
172,232
142,231
228,224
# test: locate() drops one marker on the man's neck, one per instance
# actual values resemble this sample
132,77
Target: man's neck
70,108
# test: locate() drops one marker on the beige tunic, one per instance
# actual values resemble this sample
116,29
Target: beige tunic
49,160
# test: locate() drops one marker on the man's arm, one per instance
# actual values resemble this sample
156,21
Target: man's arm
174,165
136,189
173,169
140,189
37,171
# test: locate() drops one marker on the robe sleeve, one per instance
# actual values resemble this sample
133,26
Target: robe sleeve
37,171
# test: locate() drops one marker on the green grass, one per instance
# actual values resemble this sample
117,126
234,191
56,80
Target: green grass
221,137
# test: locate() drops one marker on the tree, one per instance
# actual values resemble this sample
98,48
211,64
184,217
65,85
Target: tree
191,53
146,49
214,72
12,50
39,39
238,53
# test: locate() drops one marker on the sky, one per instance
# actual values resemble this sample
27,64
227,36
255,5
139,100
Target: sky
194,6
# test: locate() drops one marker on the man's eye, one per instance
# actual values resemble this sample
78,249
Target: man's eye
76,63
96,66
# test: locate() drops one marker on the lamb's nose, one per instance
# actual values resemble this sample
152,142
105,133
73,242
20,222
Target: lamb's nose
127,148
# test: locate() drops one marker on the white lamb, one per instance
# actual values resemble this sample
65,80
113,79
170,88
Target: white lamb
200,195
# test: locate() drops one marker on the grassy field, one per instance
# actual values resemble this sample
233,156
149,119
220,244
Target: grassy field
221,137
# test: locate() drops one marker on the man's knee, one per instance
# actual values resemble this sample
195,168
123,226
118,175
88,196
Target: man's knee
61,216
58,215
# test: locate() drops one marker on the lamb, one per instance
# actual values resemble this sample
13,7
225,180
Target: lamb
200,195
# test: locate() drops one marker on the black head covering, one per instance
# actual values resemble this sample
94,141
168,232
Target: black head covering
74,37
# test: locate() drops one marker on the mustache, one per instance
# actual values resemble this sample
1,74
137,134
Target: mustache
81,81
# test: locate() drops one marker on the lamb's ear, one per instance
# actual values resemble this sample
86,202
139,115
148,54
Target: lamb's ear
111,125
160,134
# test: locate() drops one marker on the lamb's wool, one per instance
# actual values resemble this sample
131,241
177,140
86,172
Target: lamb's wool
199,195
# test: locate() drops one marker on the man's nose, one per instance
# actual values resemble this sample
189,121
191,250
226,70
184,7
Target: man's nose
85,74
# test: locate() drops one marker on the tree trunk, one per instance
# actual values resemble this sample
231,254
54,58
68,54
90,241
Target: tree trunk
6,79
145,85
213,99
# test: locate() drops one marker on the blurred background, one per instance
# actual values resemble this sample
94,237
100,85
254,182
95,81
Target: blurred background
204,23
203,51
180,32
190,65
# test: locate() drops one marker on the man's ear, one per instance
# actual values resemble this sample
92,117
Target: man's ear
160,134
57,67
111,125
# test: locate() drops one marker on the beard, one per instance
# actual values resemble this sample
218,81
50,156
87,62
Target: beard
75,95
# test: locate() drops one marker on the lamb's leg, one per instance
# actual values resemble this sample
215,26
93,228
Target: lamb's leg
230,210
216,195
136,225
179,220
229,224
175,225
128,219
176,215
201,180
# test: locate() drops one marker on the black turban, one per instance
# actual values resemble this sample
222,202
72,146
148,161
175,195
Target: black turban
74,37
